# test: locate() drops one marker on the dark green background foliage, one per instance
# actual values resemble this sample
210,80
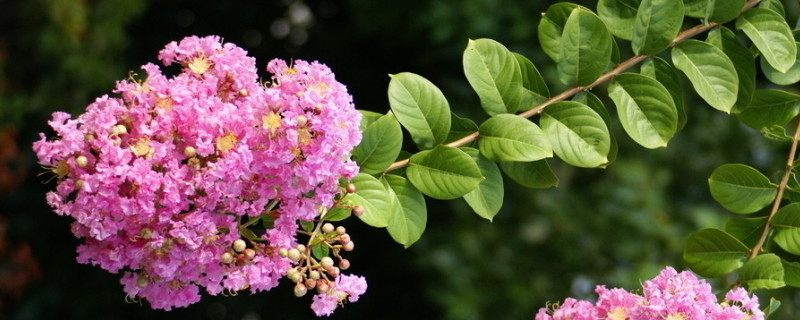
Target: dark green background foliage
616,226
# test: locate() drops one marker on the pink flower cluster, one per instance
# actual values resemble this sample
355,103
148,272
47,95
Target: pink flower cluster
346,286
162,179
670,295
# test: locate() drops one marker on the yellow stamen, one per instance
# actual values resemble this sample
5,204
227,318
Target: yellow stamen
199,65
226,143
271,122
141,148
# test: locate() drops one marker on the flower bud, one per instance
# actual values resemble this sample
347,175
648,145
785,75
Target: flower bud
302,120
340,230
314,274
226,258
239,245
119,129
189,151
310,283
358,211
88,137
294,255
249,253
81,161
283,252
333,271
326,262
344,239
344,264
349,246
322,286
327,228
294,275
243,92
351,188
301,248
300,290
79,183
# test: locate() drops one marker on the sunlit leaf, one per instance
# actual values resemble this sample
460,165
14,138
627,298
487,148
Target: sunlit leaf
787,221
508,137
619,16
712,252
551,27
666,74
407,223
592,101
645,109
724,39
494,74
578,134
367,118
784,78
771,35
774,5
720,11
487,199
536,174
371,195
765,271
380,144
656,25
320,251
585,48
420,107
740,188
711,72
443,172
770,107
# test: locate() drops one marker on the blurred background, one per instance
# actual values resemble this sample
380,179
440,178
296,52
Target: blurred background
617,226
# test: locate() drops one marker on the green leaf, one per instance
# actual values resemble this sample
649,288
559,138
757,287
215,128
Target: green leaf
791,273
659,69
771,35
645,109
619,16
536,174
765,271
367,118
773,306
720,11
407,223
711,72
712,252
534,89
494,74
338,214
774,5
487,199
747,230
307,226
380,144
578,134
420,107
657,23
320,251
249,234
592,101
443,172
585,48
787,221
740,188
770,107
371,195
460,127
551,28
508,137
784,78
724,39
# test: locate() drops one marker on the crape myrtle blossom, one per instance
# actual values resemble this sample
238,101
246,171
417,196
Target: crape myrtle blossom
670,296
161,178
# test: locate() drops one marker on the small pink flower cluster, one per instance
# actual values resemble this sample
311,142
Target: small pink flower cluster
670,295
346,286
162,180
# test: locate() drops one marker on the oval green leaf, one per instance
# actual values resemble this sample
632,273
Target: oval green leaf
536,174
551,27
771,35
508,137
787,221
657,23
367,118
585,48
659,69
712,252
380,145
619,16
742,59
791,273
645,109
420,107
774,5
578,134
720,11
592,101
770,107
494,74
487,199
534,89
765,271
711,72
407,222
784,78
443,172
371,195
740,188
